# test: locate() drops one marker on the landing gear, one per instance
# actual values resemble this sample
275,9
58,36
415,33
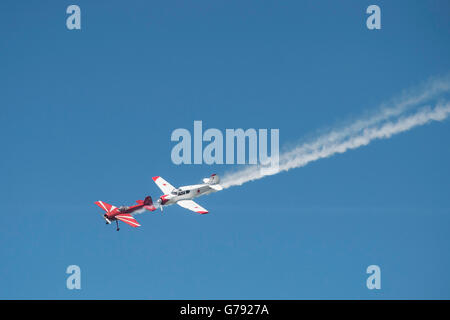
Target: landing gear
117,224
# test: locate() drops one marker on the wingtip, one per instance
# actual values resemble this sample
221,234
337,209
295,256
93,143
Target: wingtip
155,178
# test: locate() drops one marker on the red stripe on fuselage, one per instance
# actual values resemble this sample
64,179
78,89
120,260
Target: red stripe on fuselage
130,210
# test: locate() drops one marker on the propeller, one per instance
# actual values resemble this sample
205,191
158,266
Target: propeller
105,206
106,219
159,202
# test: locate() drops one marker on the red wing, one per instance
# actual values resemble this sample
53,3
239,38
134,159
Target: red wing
105,206
128,219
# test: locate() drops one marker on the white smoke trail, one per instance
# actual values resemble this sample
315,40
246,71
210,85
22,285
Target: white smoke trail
140,211
386,123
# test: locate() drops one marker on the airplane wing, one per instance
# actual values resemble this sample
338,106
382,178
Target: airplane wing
105,206
191,205
128,219
163,185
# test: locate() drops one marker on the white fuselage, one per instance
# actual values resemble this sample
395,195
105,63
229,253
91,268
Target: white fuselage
186,193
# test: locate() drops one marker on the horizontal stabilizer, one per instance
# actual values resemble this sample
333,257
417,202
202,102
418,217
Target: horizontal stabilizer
216,187
147,203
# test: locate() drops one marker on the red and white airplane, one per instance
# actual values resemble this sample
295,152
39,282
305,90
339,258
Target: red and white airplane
124,213
183,195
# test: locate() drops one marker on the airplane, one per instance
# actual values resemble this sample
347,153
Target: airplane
124,213
183,195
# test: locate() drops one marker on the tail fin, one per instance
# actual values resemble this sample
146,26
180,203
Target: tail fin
148,204
213,179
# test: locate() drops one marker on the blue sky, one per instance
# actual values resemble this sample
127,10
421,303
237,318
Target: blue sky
87,115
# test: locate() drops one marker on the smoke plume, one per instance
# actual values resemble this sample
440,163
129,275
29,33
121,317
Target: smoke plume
411,109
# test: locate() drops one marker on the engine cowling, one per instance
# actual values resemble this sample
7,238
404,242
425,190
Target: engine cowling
162,200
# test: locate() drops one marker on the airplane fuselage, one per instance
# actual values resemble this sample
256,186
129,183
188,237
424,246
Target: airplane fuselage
185,193
183,196
124,213
124,209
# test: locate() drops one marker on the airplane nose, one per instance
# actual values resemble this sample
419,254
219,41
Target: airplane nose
162,200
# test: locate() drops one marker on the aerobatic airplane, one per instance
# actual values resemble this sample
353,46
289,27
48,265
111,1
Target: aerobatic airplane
183,195
124,213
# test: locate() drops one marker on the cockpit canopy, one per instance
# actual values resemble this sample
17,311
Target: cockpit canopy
179,192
